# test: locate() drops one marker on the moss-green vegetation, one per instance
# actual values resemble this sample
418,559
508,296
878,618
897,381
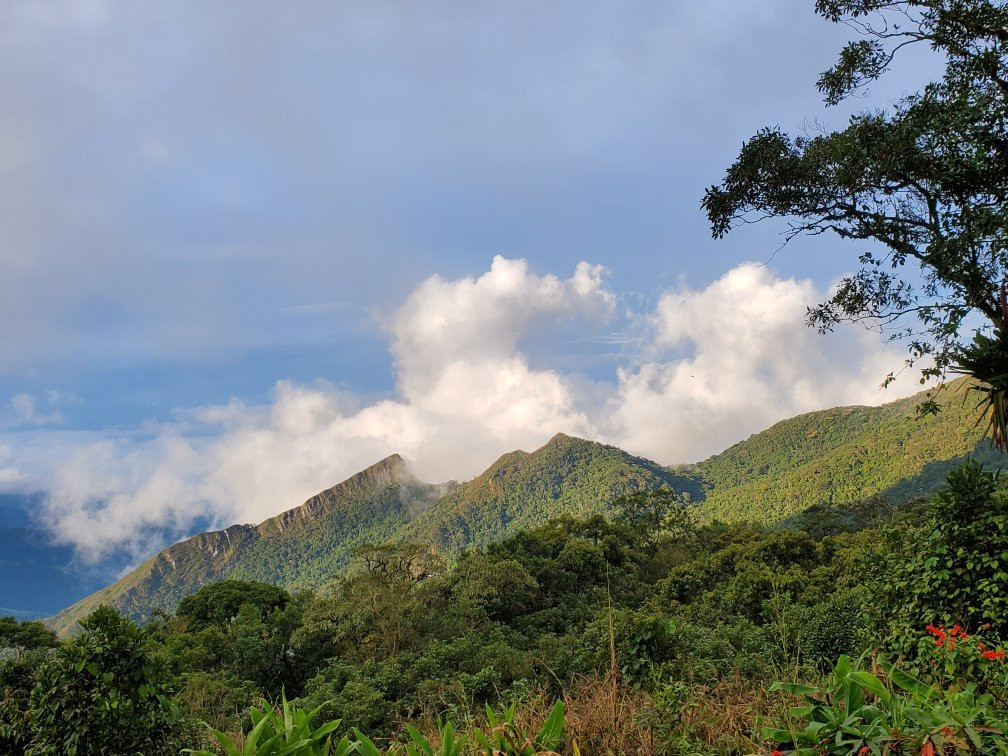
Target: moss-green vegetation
567,476
852,464
845,456
659,632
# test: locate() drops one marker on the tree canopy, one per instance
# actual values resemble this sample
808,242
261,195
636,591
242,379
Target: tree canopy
928,180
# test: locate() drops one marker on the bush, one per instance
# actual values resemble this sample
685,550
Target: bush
102,694
953,571
858,711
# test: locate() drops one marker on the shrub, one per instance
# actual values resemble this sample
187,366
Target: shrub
954,571
857,711
103,694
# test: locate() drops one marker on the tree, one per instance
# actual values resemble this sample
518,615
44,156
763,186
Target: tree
927,180
24,647
651,513
954,568
102,693
20,637
218,604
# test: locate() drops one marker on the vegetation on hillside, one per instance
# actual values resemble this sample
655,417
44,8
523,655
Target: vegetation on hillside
839,457
657,632
858,459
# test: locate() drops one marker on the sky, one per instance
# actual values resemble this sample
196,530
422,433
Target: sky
248,248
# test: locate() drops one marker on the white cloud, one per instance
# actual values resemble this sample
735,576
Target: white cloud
747,360
718,364
23,409
8,475
473,320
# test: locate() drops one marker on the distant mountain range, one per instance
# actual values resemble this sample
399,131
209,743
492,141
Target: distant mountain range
842,461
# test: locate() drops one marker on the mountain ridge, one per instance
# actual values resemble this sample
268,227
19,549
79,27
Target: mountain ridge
183,566
816,459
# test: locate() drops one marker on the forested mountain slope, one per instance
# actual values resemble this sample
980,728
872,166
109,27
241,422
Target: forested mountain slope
844,456
306,545
567,476
309,545
827,461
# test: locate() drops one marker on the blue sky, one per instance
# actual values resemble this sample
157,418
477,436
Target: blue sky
248,248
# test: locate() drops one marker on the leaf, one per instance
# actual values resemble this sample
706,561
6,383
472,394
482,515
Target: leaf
420,740
906,681
551,734
364,744
252,740
872,684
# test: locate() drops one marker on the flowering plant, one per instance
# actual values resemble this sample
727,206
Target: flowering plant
953,656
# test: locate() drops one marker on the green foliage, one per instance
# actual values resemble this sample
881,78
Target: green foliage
954,569
24,646
895,713
986,359
240,631
216,698
102,693
286,731
503,588
218,604
954,658
507,738
699,609
566,477
926,180
17,678
852,464
450,744
20,637
825,472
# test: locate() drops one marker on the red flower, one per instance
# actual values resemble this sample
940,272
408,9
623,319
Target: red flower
996,655
864,750
981,646
940,634
776,753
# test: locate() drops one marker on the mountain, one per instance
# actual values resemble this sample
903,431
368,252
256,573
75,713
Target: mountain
302,547
845,456
831,461
309,545
567,476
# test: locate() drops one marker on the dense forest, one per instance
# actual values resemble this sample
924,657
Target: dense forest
835,585
842,460
649,631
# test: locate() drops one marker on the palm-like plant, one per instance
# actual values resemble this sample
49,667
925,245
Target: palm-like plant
986,360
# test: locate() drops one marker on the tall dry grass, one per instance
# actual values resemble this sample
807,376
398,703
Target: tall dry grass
607,720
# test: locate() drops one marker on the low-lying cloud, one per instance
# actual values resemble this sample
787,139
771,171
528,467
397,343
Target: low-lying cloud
714,365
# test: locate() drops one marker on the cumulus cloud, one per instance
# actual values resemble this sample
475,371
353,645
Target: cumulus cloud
717,364
466,393
743,359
